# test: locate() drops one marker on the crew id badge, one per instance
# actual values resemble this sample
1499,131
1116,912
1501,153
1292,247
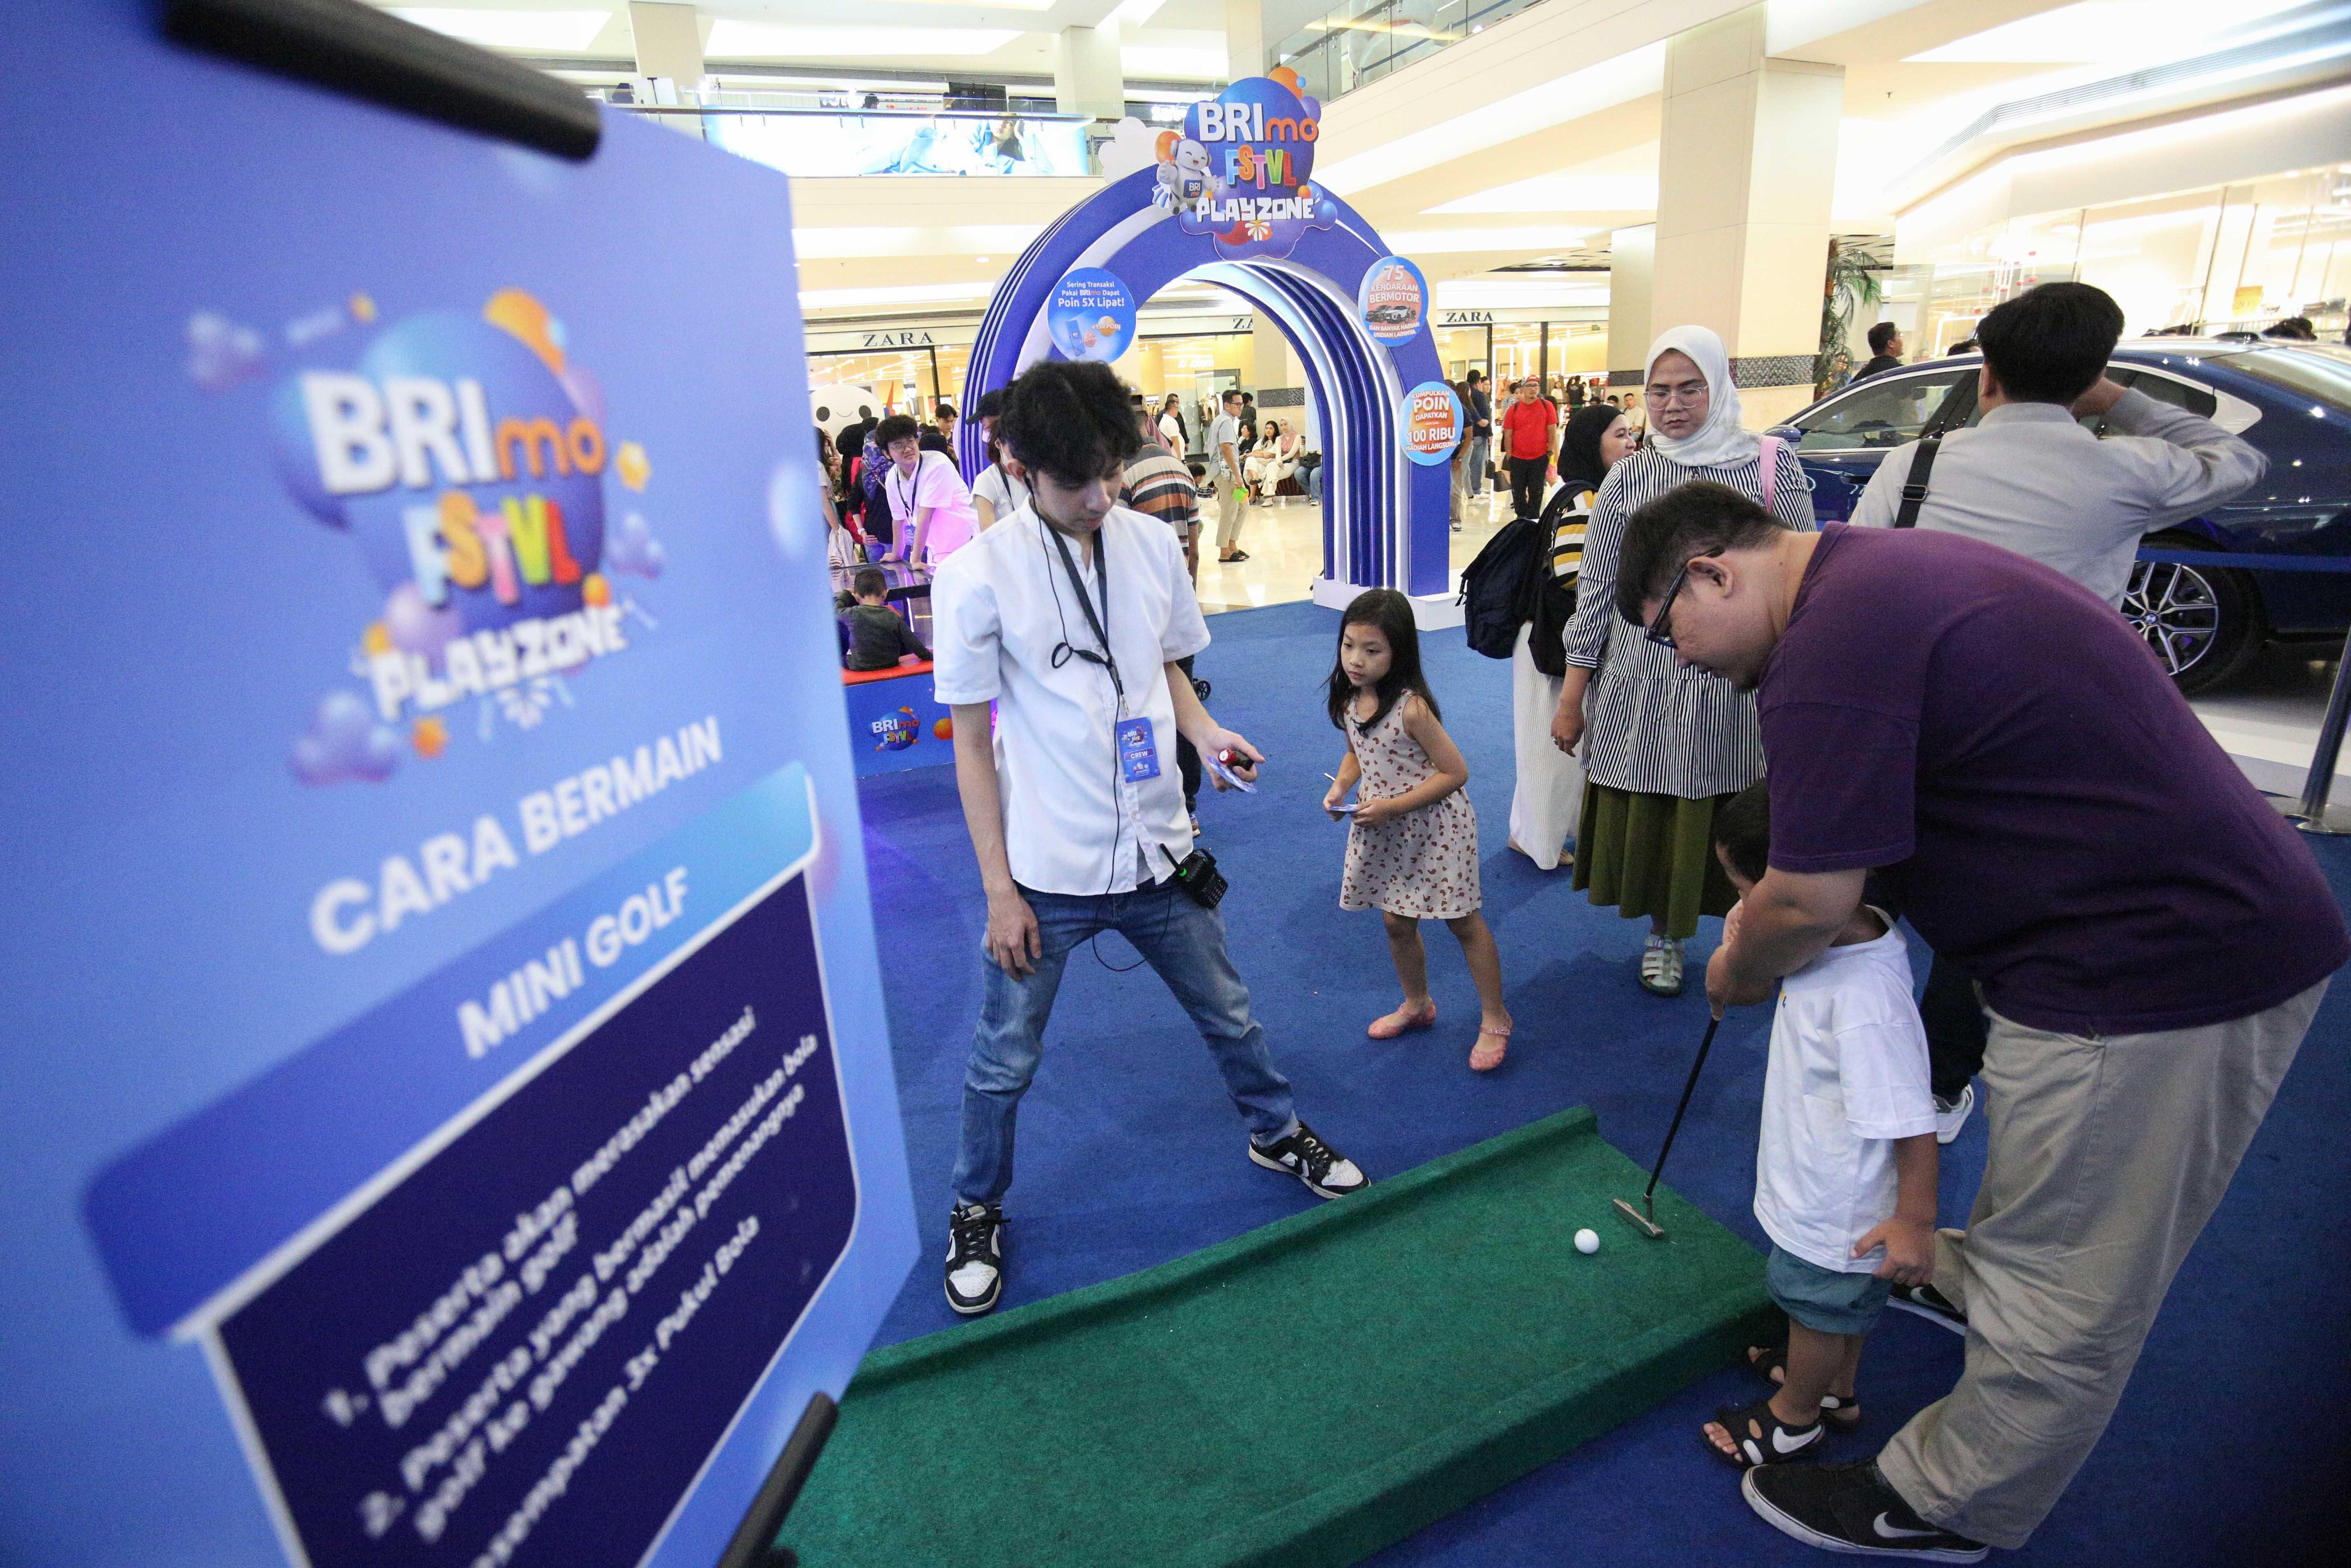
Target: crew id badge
1138,753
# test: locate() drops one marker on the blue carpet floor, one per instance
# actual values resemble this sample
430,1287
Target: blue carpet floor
2230,1445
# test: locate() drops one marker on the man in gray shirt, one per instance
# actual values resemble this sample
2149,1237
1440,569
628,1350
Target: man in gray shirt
2028,477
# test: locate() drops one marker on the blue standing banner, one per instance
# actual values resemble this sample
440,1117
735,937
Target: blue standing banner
453,1117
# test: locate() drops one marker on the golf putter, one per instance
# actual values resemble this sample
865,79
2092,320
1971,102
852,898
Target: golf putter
1644,1218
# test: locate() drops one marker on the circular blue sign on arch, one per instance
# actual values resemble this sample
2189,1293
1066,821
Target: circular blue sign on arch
1392,298
1090,315
1431,426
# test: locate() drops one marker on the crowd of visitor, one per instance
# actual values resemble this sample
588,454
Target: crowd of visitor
1932,714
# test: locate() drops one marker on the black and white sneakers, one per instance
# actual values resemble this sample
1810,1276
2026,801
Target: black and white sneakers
1925,1301
975,1258
1849,1507
1325,1171
1950,1115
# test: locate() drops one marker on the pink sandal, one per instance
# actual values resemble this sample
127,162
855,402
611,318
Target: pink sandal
1400,1022
1480,1061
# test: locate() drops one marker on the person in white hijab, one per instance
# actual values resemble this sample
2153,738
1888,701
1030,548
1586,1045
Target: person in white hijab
1662,747
1693,401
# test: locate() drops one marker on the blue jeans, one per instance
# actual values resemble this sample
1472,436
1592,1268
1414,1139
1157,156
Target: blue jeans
1186,944
1474,481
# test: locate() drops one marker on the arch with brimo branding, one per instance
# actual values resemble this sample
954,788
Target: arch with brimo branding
1386,519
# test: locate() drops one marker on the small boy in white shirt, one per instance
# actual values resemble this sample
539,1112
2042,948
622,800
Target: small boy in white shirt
1846,1166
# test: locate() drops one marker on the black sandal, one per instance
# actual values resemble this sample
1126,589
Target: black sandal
1841,1411
1773,1446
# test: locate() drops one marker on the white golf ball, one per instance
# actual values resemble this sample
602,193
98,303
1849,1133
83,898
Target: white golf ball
1587,1241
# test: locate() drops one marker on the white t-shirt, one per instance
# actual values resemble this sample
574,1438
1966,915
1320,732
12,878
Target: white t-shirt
934,484
1073,823
1847,1076
1225,431
1000,490
1171,429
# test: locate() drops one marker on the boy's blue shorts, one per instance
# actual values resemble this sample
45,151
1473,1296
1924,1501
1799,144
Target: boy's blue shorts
1823,1300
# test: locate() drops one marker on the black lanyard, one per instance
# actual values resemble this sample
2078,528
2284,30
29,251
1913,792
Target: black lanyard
1099,624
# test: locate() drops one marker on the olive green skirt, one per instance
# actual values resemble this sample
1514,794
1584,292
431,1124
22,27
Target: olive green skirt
1652,855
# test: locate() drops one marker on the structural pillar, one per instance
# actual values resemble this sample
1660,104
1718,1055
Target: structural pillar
1087,76
669,49
1245,53
1281,384
1632,264
1745,174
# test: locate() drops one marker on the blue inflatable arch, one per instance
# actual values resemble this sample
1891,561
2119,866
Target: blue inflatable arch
1386,519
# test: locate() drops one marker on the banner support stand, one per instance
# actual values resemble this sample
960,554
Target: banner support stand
2321,782
754,1543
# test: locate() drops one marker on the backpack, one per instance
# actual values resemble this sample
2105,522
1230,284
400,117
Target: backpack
1494,586
1550,603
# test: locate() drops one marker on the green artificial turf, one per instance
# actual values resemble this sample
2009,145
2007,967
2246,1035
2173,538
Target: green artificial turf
1305,1394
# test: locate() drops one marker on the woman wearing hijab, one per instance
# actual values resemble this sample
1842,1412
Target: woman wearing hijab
1663,745
1274,460
1550,793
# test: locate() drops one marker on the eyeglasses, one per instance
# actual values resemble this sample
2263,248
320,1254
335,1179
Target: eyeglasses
1659,631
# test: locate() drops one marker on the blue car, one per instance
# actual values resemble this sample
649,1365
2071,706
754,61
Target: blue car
2292,400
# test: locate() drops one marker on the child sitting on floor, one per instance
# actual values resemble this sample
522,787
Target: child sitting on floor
878,638
1846,1166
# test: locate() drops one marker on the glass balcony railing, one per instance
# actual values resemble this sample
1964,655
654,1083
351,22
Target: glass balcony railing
769,128
1364,40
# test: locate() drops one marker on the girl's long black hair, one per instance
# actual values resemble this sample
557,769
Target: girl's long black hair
1389,614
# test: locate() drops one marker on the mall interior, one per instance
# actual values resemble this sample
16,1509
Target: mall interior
463,914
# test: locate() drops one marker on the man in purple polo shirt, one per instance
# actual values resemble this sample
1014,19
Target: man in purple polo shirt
2151,939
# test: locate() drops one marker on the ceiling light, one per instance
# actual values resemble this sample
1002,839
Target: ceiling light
562,32
730,39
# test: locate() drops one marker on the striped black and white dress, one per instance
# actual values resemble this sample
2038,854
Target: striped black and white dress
1650,726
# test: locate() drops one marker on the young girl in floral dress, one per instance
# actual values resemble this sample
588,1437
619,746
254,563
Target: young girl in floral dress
1412,849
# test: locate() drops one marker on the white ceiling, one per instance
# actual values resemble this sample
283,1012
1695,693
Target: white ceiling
1488,154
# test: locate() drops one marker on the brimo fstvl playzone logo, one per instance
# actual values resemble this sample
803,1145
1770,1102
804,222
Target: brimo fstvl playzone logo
466,457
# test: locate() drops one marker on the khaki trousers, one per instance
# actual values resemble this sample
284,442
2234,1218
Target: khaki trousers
1230,509
2108,1156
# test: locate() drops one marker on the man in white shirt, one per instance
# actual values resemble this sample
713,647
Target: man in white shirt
1225,464
1071,616
2028,477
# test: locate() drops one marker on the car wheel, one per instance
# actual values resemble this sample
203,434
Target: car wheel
2204,623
